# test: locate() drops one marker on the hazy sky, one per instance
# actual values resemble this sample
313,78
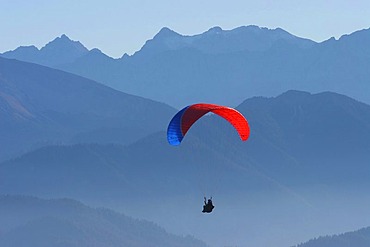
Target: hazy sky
122,26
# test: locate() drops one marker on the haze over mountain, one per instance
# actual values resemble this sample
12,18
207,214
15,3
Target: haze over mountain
304,152
301,132
29,221
227,66
303,173
41,106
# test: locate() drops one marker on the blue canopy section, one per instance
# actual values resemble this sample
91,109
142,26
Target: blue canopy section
174,132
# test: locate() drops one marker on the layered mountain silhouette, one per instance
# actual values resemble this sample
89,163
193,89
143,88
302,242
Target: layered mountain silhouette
218,41
41,106
63,222
303,171
296,139
227,66
307,155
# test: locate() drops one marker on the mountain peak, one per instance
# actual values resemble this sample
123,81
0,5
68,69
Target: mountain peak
64,43
60,51
294,93
165,32
65,37
165,39
215,30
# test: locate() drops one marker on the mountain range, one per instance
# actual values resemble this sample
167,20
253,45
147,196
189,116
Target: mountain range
302,146
301,133
220,66
304,171
41,106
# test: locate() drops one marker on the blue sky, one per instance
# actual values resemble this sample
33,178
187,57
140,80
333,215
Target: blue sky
120,26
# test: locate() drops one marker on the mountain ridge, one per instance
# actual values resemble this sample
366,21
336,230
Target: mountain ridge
240,63
287,127
58,51
215,40
43,105
193,65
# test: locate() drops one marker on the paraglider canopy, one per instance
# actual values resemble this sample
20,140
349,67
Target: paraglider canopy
185,118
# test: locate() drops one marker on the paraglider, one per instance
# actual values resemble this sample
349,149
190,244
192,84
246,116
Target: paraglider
208,205
185,118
